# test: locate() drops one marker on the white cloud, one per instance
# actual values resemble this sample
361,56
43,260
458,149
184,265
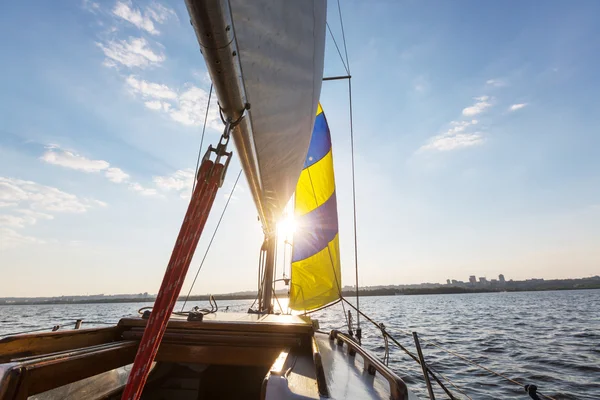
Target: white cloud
516,107
68,159
495,82
134,52
150,90
160,13
7,204
187,107
480,106
99,203
71,160
455,137
192,107
135,16
90,6
56,155
36,202
10,238
41,198
156,13
30,217
11,192
154,105
116,175
202,76
25,217
460,126
446,143
181,181
12,221
142,190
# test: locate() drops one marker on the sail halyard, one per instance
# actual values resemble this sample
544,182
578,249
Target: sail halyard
315,270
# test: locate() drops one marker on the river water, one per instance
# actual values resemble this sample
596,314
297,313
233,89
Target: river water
550,339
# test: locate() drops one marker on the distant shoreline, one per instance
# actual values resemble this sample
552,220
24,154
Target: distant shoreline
349,294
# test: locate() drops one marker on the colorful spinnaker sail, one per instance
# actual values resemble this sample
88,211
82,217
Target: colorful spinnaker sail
316,272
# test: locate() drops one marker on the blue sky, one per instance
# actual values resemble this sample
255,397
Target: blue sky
476,129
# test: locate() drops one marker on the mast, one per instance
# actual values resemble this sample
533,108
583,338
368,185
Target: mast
266,302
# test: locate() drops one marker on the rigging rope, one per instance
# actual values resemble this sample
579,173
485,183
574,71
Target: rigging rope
211,239
358,330
455,354
346,64
338,49
343,35
443,349
411,355
209,179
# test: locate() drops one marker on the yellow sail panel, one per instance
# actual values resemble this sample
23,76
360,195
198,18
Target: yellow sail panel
313,283
316,271
315,189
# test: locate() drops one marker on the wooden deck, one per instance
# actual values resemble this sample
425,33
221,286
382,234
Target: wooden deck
226,321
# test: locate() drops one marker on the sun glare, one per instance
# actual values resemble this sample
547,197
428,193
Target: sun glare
286,227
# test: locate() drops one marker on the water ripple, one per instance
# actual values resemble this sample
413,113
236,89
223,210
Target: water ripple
550,339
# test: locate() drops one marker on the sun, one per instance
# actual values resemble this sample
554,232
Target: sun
286,227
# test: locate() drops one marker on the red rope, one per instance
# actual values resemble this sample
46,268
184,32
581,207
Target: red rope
209,177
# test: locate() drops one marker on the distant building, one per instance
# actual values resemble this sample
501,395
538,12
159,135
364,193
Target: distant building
501,278
447,281
483,280
472,279
454,282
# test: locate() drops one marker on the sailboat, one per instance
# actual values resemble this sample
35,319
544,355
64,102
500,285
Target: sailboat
265,59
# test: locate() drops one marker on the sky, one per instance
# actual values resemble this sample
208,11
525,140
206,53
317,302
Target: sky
476,128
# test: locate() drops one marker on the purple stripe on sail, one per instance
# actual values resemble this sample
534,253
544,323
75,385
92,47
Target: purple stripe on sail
314,230
320,143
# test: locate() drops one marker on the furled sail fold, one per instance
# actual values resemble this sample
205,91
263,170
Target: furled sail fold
267,54
316,272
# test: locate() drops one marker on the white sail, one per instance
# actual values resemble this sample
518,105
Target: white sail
269,54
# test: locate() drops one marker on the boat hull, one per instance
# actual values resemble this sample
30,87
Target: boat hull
265,356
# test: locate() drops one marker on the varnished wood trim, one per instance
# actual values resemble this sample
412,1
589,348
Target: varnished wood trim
319,370
65,353
9,381
244,326
51,342
42,375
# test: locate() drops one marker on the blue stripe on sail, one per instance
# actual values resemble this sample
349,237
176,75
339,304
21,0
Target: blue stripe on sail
320,143
314,230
